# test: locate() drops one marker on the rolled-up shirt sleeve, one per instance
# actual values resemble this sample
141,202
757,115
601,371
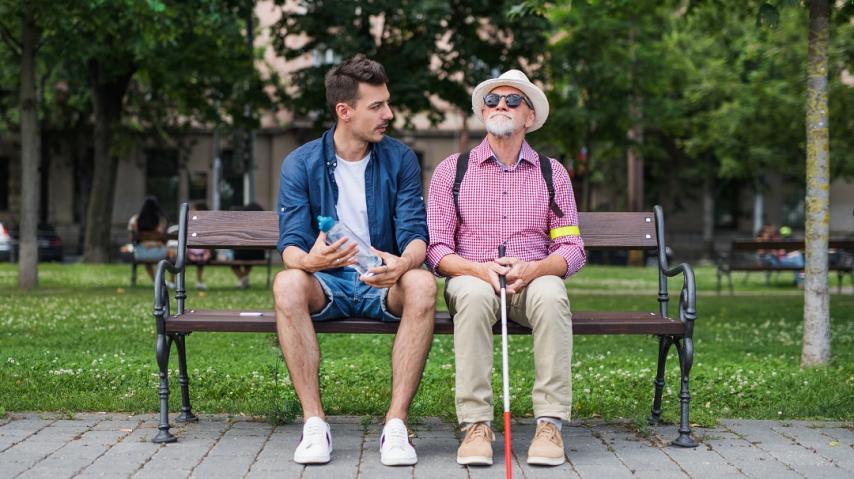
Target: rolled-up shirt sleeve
564,232
293,206
411,219
441,214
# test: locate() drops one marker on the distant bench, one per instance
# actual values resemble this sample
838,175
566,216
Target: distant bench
260,229
267,262
743,255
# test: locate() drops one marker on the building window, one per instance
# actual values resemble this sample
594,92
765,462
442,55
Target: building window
161,179
5,181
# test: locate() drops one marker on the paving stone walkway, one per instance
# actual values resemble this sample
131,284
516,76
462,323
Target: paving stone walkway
115,445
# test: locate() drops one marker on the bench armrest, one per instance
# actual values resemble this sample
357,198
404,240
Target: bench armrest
688,294
161,293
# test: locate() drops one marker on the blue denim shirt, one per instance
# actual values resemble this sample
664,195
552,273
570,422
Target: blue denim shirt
307,188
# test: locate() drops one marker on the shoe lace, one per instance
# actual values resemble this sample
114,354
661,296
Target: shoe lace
396,437
477,431
314,432
547,431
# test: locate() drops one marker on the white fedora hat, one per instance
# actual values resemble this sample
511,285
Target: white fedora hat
518,80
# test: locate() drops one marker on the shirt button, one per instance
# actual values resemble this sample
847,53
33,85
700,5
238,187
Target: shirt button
503,192
505,217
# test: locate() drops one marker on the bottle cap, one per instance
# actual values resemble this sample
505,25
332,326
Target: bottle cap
325,223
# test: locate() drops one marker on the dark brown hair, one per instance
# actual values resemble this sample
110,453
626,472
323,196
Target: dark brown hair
342,81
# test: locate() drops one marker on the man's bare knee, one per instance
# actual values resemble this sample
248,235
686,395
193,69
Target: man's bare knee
419,289
291,289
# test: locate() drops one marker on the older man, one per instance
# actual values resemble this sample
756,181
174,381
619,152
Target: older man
503,192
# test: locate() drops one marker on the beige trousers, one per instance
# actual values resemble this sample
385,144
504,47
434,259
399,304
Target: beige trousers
542,306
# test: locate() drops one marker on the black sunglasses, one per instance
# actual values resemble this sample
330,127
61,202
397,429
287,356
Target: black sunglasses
513,100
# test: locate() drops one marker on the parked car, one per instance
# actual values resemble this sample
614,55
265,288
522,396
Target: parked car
49,243
5,243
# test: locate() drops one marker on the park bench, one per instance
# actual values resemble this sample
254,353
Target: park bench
214,261
260,229
743,255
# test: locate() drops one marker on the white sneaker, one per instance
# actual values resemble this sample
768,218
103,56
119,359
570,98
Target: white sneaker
315,446
395,448
243,283
201,286
170,285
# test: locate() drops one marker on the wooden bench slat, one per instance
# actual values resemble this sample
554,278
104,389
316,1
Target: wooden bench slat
583,322
260,229
788,245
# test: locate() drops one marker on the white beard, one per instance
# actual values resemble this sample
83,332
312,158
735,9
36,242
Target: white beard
500,126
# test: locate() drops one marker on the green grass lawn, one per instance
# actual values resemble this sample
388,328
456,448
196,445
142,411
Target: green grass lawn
85,342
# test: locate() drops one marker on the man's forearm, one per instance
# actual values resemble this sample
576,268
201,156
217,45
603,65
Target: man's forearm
455,265
294,258
551,265
415,253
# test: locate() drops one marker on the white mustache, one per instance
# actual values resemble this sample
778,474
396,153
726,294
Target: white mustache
503,115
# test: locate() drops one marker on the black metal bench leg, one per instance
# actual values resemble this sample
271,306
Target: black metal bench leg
664,343
164,344
685,347
133,265
186,411
729,280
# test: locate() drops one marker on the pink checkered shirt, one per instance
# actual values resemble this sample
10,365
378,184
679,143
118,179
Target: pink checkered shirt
501,205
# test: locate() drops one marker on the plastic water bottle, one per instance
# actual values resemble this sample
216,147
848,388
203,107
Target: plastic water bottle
337,230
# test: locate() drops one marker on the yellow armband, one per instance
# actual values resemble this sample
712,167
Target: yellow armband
564,231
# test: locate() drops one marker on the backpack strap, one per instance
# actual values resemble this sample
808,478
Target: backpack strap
546,169
462,166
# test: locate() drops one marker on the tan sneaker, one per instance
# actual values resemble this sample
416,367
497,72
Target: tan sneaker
476,448
547,447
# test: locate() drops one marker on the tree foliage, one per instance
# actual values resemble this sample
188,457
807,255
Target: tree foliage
138,70
429,48
721,89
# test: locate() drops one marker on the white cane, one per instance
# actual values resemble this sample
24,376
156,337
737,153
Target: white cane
508,450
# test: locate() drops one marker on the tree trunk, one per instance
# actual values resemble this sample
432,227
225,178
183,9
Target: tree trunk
708,218
107,97
816,347
758,209
28,252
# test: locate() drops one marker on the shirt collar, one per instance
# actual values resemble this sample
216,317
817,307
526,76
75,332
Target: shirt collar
329,156
483,152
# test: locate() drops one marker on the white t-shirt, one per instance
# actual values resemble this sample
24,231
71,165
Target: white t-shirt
352,204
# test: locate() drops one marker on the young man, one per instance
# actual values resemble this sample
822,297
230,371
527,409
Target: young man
372,184
504,198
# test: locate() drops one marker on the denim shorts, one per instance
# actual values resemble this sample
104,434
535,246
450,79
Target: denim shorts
347,296
150,253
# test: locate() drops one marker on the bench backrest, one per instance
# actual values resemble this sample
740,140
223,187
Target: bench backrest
260,229
785,244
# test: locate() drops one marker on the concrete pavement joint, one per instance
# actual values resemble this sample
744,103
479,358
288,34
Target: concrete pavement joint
261,449
119,441
608,447
52,452
26,437
811,449
756,444
213,445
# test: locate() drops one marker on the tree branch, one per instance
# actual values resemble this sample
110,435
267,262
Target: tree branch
13,43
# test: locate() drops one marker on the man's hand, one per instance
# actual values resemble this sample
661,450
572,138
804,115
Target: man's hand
490,271
384,276
323,256
519,273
